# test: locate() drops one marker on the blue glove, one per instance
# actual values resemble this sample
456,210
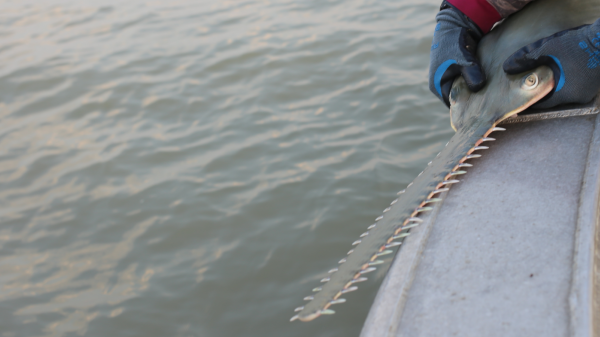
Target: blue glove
453,53
574,57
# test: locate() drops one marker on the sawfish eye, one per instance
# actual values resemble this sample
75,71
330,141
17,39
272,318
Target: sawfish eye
530,81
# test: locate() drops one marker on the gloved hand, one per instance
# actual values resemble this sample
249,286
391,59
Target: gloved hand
453,53
574,57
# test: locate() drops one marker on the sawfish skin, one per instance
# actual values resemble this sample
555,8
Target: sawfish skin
474,116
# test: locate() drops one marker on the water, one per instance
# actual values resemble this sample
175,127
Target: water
193,168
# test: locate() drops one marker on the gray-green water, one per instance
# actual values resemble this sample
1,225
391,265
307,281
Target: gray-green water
193,168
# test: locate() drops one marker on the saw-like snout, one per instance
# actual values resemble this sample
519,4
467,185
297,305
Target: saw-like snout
478,117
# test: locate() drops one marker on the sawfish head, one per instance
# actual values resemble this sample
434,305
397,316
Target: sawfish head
503,97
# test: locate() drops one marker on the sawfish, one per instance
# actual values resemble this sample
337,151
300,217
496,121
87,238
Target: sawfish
474,116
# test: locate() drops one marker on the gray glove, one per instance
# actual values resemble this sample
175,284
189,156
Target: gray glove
453,53
574,57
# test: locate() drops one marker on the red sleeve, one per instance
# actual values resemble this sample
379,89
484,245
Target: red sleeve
479,11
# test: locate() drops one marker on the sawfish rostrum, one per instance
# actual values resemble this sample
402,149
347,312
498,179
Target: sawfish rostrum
474,116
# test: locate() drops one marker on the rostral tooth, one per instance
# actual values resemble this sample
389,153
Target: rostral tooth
360,279
385,252
440,190
448,182
480,148
349,289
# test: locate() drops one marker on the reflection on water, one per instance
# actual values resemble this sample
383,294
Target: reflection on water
181,168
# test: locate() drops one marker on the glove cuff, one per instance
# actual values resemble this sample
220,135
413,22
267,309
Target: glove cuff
480,12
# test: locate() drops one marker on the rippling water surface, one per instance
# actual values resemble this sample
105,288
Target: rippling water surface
193,168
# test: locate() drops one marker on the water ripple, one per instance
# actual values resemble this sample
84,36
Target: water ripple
191,168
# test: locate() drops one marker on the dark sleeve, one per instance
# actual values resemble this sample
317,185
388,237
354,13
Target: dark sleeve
485,13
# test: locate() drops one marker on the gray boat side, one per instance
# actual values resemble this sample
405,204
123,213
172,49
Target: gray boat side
512,249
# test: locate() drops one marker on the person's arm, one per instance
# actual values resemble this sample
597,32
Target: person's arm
460,26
